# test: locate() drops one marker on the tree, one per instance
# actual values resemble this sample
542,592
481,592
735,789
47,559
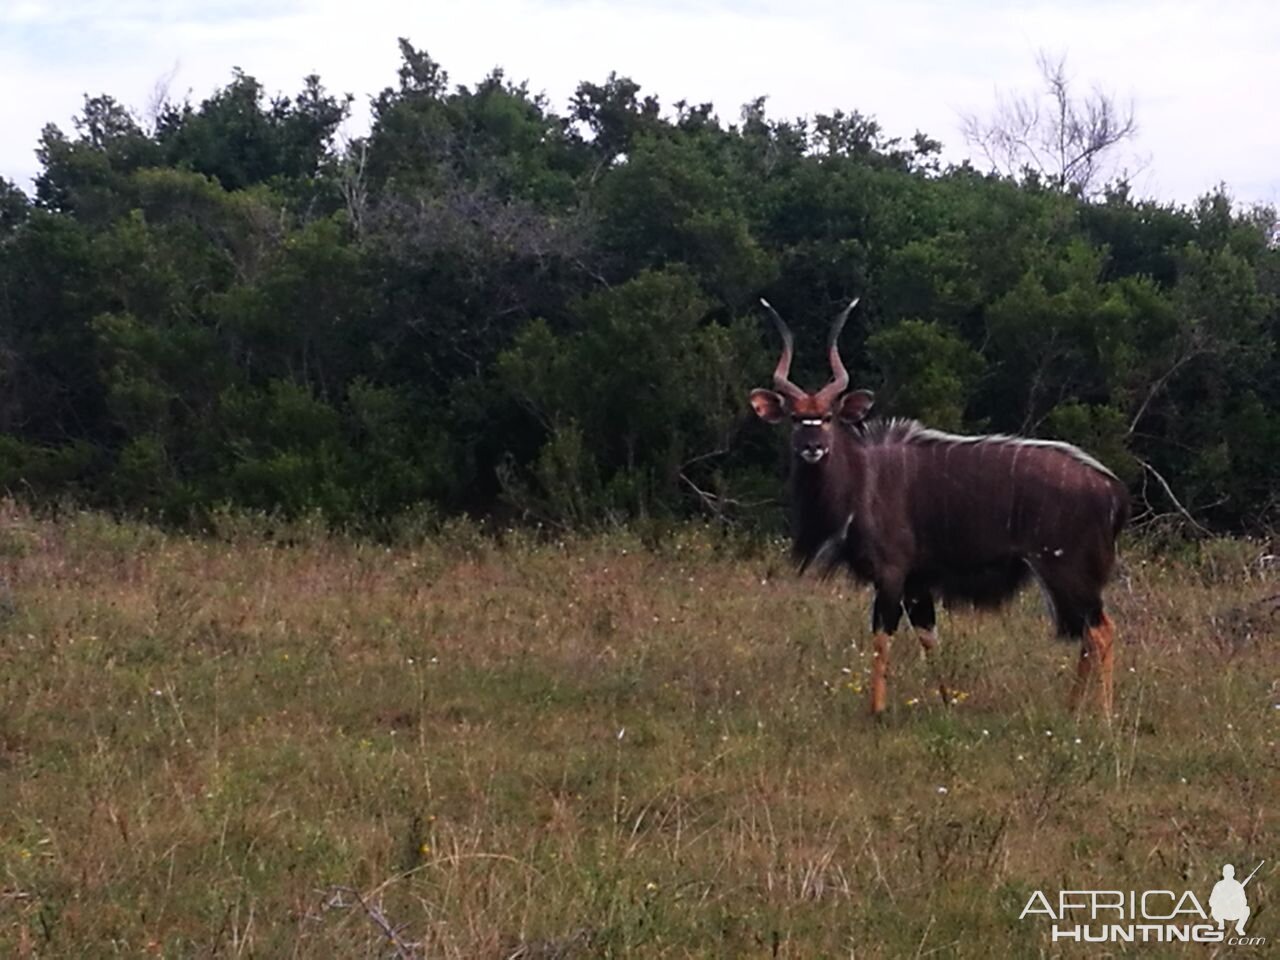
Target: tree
14,206
490,304
615,115
84,176
240,140
1067,141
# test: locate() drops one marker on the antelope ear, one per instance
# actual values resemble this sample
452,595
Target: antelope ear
855,406
768,405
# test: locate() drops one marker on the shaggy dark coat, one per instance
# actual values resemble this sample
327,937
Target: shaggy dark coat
922,513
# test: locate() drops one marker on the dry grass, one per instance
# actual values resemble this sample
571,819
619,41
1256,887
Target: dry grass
234,748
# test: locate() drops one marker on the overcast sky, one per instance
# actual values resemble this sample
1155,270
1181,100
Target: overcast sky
1204,76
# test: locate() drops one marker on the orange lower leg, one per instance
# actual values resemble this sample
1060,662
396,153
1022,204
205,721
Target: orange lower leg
1084,667
928,641
879,674
1104,634
1096,652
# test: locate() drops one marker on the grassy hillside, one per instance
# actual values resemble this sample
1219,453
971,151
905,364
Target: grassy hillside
233,747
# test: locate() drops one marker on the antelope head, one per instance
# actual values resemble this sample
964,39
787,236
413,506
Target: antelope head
812,415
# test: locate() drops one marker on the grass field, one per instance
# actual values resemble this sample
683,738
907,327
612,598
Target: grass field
234,747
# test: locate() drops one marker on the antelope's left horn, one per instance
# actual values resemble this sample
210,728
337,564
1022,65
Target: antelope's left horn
839,375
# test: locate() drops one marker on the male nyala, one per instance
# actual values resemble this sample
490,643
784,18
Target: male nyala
922,514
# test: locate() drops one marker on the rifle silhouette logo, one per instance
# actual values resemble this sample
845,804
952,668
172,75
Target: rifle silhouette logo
1228,900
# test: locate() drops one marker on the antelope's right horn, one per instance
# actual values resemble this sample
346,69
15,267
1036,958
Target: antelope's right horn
781,383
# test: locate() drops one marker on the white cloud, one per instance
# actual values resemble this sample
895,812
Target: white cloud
1201,74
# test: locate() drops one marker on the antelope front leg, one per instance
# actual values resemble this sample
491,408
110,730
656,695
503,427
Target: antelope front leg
880,674
885,614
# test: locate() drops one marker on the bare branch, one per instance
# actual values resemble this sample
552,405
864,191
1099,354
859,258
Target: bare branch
716,504
1157,386
158,102
404,949
1067,140
352,183
1164,484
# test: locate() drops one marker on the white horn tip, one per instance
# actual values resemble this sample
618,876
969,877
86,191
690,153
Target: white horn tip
766,303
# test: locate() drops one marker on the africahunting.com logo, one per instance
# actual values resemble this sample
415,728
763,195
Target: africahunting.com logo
1149,916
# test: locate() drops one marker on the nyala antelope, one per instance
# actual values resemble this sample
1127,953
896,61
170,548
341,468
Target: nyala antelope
921,515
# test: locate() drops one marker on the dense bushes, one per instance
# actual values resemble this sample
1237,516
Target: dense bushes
489,306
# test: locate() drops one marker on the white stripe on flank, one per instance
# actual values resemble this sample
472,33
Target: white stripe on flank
908,430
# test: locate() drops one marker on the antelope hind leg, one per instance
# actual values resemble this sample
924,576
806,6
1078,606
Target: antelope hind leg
1084,667
1104,634
1096,651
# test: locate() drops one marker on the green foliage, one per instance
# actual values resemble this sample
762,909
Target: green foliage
14,207
1101,430
639,391
426,137
676,201
44,470
488,306
238,139
929,372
